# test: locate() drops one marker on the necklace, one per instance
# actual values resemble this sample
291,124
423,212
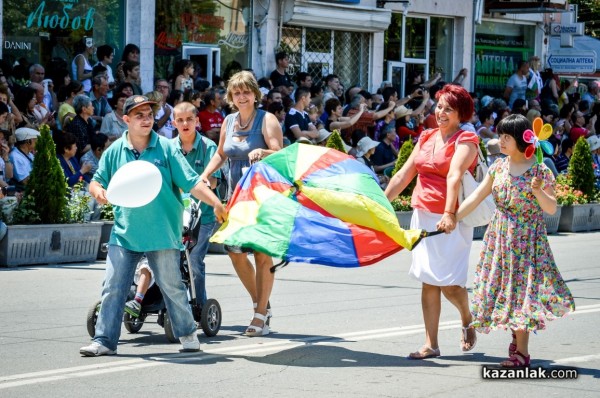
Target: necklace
245,126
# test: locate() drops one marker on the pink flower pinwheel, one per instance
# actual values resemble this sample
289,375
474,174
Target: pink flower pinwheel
537,140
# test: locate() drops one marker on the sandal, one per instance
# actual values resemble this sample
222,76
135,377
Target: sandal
269,312
255,331
424,353
517,360
464,341
512,347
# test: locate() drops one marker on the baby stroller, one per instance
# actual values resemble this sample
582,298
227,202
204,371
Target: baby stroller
207,315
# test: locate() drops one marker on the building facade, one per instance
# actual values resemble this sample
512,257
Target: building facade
365,42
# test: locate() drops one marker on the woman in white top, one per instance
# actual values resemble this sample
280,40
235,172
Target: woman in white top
81,67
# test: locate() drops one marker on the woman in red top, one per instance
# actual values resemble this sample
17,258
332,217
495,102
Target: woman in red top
440,158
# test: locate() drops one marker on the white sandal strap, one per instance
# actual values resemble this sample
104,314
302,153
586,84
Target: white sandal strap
260,316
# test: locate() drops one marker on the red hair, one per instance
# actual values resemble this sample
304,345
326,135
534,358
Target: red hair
459,99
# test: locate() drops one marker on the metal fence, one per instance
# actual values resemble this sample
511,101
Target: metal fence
321,52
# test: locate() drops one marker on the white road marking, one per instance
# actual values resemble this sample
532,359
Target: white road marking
46,376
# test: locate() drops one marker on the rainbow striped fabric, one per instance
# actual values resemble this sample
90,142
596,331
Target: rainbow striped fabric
317,205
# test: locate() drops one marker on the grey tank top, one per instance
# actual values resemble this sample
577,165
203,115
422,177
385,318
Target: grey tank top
237,151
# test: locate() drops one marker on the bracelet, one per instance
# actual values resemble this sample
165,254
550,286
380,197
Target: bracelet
449,212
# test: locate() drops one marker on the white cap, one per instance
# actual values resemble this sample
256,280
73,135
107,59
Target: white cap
26,133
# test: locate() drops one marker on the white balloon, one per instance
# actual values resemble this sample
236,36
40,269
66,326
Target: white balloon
135,184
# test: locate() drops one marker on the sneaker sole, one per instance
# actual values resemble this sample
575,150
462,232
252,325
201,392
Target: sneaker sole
93,354
190,349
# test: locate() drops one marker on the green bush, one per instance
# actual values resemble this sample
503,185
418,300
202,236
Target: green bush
335,141
405,151
45,197
581,168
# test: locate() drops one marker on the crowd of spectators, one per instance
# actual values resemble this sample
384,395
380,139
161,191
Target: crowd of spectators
82,103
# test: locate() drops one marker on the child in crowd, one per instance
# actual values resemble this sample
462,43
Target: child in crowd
184,80
517,283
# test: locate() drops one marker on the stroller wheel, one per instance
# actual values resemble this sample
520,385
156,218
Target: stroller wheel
169,329
133,325
92,317
210,319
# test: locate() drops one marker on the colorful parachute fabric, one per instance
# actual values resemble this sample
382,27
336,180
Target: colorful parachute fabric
314,205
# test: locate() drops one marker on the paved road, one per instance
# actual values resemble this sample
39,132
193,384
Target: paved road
339,333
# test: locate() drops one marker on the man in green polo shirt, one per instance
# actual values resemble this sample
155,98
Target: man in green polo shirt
198,151
154,229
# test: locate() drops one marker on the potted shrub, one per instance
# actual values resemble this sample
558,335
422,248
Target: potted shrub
576,190
403,210
405,151
335,141
43,234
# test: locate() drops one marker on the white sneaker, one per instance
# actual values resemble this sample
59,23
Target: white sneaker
190,343
95,350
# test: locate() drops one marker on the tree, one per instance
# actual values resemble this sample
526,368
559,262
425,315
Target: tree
405,151
581,168
589,12
335,141
45,197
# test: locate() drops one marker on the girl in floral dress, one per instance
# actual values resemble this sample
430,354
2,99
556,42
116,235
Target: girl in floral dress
517,283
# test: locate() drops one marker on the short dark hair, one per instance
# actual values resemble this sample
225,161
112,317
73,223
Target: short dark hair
98,141
330,77
280,55
275,107
301,92
387,92
271,92
99,70
365,94
331,105
129,65
515,125
301,76
104,51
566,144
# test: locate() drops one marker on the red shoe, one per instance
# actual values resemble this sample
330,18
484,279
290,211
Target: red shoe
517,360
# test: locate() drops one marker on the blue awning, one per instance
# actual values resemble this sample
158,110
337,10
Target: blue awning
582,43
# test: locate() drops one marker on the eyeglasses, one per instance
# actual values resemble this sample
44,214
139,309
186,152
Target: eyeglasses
162,87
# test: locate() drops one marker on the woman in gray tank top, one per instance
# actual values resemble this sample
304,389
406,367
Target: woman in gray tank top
248,136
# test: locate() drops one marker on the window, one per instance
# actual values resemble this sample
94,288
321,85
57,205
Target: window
320,52
45,31
224,24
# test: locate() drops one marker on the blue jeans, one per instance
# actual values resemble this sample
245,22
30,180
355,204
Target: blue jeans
197,260
120,268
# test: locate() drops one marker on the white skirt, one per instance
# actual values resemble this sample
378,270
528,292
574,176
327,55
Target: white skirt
441,260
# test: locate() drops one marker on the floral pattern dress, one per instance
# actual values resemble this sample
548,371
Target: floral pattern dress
517,283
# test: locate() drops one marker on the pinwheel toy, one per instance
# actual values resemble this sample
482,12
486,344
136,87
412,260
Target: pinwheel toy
315,205
537,140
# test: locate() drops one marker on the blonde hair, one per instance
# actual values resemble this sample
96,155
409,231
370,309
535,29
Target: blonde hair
240,81
184,107
154,96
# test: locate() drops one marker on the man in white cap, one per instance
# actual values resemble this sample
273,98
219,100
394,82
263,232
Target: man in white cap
153,229
21,155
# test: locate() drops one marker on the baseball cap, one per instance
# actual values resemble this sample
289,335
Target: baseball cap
26,133
134,101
